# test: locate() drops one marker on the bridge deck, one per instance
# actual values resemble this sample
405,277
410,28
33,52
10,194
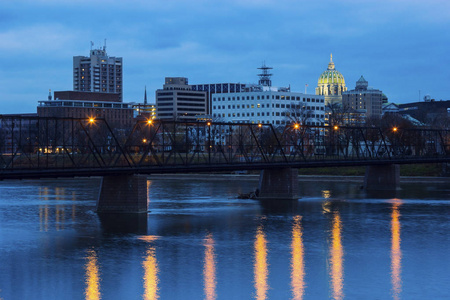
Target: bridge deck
61,147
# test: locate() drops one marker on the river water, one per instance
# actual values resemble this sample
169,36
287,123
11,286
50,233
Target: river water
200,242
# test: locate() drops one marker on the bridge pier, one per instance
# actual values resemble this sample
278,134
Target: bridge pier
278,184
382,177
123,194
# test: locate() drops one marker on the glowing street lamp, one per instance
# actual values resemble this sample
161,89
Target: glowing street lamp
91,120
144,141
209,123
296,126
394,129
336,127
149,122
259,125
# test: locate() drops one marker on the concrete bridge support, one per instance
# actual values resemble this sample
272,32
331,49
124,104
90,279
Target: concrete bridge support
278,184
123,194
382,177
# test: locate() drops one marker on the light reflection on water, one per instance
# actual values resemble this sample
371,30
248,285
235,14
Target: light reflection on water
261,271
297,262
92,291
47,245
396,252
337,258
151,271
209,269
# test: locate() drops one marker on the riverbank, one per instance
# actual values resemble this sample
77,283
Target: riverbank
255,177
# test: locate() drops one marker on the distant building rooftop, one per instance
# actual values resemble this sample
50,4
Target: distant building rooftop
87,96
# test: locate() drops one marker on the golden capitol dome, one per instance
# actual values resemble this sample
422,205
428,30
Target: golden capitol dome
331,84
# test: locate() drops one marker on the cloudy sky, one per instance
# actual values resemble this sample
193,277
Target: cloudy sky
400,46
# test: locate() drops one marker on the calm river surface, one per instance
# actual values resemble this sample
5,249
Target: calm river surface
200,242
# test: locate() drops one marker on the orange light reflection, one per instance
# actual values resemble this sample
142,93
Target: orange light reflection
337,258
92,291
209,269
396,253
261,272
297,263
151,271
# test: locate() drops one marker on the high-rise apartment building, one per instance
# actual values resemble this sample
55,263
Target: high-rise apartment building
98,73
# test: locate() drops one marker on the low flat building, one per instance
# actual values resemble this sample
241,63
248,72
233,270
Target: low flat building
268,105
100,105
264,104
428,112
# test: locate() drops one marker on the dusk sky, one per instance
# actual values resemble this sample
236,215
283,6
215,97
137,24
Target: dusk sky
400,46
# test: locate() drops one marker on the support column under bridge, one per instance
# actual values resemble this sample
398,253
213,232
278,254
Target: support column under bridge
123,194
278,184
382,177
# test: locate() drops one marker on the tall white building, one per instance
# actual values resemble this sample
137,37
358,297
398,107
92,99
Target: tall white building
98,72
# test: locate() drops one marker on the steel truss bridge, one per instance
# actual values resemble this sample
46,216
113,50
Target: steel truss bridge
33,147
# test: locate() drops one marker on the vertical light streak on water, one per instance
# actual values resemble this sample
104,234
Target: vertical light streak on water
58,192
297,263
260,265
396,252
337,258
149,184
209,269
43,210
74,198
92,291
151,271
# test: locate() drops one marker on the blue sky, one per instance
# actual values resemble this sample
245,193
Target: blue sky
399,46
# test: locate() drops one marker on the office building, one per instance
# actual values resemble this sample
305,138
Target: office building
98,72
217,88
263,103
177,101
364,99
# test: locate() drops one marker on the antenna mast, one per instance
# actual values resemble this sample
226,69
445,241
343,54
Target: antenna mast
264,77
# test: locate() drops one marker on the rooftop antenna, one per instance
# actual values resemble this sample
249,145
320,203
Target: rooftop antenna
104,47
92,44
264,77
49,94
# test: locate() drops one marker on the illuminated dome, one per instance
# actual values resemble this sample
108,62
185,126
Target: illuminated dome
331,83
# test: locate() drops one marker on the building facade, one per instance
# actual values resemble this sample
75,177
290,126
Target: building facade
268,105
177,101
364,99
217,88
72,104
98,72
331,84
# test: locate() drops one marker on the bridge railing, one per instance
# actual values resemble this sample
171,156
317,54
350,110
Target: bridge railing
32,143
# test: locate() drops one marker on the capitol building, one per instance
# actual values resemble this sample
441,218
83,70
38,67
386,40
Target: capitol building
331,84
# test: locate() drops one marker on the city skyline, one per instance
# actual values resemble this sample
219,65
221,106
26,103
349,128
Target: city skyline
398,46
